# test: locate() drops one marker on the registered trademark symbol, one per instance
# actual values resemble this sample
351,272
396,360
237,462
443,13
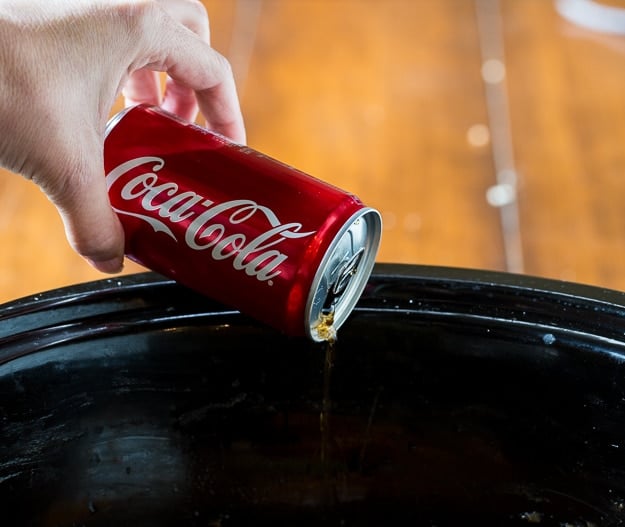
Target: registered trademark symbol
270,282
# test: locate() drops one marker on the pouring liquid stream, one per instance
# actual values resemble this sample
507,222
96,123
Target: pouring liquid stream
327,332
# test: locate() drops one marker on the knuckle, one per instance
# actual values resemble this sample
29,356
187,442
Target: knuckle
190,13
197,8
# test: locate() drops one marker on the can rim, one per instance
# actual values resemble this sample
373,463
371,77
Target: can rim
114,120
357,283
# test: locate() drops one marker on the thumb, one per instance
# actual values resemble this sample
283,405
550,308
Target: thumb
91,226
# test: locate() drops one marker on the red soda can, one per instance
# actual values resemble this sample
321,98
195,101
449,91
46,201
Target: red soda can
236,225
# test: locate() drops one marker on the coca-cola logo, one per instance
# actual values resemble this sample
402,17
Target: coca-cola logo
204,224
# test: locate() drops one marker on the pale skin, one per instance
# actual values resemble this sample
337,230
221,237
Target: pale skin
63,64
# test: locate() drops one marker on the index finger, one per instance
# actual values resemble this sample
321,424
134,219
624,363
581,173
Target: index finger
193,63
178,98
185,54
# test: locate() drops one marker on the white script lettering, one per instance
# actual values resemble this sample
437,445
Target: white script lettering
206,222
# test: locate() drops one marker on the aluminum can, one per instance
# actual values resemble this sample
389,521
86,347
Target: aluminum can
236,225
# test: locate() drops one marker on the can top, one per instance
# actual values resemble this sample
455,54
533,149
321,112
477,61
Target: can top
344,271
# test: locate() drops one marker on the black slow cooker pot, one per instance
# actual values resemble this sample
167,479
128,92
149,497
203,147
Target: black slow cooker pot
457,397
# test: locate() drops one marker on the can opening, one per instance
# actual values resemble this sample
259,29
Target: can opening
344,271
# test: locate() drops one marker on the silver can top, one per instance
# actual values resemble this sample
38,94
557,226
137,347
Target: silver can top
344,272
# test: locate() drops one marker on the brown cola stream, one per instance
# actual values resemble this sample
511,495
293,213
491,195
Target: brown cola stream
327,332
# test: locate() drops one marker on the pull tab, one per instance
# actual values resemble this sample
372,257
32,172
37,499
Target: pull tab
345,273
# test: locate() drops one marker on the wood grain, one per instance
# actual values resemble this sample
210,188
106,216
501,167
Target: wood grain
388,100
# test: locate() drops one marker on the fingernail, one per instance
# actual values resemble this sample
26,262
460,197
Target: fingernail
112,266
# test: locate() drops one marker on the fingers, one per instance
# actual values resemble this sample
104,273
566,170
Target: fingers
142,87
180,100
178,97
219,104
199,67
198,76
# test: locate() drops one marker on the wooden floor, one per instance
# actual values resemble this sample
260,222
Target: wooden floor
489,133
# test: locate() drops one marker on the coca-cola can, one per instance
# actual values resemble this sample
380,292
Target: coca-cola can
236,225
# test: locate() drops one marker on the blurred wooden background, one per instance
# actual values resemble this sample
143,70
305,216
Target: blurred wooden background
489,133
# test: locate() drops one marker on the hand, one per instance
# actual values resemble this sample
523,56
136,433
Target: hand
63,63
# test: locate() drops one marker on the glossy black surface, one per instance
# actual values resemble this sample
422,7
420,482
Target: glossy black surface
458,397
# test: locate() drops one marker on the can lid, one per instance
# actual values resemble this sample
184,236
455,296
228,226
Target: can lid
344,271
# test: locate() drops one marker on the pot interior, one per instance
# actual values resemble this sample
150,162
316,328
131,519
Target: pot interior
455,397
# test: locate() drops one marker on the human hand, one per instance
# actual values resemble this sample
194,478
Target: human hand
63,63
